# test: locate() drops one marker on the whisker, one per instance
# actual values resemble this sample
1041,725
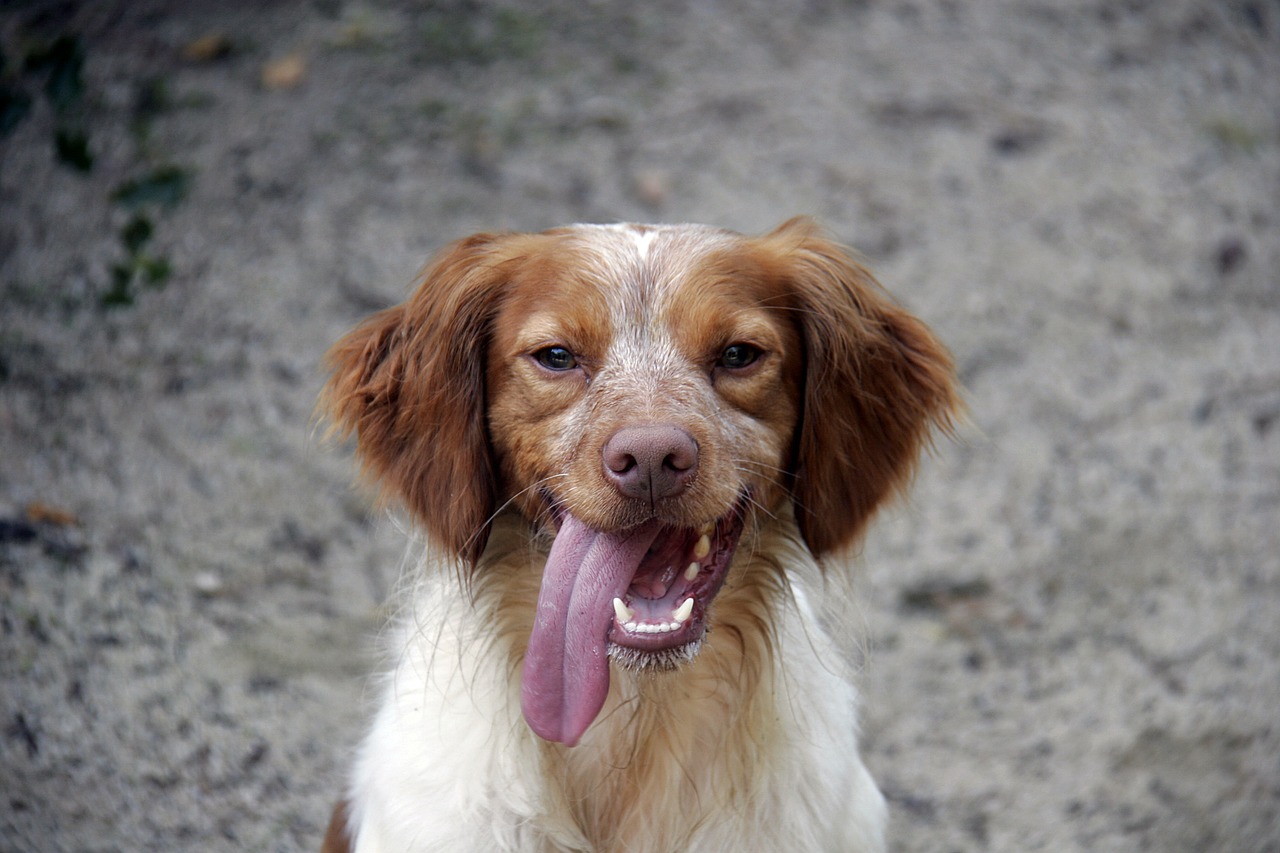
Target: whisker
509,501
760,508
763,466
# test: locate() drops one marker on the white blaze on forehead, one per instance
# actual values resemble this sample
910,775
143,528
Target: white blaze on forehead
639,267
639,264
643,239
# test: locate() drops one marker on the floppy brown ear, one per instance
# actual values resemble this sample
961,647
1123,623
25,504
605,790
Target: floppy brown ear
409,383
876,383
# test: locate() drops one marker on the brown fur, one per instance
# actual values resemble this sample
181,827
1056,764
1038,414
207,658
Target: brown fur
877,381
336,837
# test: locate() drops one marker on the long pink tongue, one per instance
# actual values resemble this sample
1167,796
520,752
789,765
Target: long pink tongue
566,669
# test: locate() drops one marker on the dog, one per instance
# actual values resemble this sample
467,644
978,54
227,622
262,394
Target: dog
636,453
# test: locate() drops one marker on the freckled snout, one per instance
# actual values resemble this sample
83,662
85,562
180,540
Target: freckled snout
650,462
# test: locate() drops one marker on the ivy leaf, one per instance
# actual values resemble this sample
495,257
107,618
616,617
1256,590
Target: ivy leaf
14,106
72,147
165,186
64,61
136,234
155,271
120,295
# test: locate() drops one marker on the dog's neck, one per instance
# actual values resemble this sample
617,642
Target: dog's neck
675,743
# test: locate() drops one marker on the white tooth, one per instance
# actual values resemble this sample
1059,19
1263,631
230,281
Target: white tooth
703,548
631,626
683,612
622,612
692,572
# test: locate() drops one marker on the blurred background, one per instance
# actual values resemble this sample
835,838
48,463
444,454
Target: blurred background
1072,627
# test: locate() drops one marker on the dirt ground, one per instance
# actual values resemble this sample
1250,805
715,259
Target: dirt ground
1073,627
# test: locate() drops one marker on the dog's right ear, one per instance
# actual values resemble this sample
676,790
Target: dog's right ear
409,384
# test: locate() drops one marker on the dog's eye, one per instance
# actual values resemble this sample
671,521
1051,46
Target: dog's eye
556,358
738,355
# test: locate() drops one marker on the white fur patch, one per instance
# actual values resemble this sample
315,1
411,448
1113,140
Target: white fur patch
450,765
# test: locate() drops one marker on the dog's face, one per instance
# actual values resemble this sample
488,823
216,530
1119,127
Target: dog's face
644,394
637,374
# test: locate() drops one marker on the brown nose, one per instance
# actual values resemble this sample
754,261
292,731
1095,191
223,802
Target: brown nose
650,462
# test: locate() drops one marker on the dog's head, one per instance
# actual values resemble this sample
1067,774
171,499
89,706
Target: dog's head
644,393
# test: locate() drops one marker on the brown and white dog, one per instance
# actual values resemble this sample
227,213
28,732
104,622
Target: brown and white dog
635,452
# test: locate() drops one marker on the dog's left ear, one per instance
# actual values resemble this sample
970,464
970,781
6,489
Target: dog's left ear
876,383
409,383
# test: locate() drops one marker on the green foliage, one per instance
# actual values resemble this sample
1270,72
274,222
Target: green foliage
1235,135
63,63
138,268
72,147
15,104
165,186
464,36
136,234
120,294
55,69
517,34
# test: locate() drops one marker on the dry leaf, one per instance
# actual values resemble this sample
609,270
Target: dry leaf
207,48
43,513
284,73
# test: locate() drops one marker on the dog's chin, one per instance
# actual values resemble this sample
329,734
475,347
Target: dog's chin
656,660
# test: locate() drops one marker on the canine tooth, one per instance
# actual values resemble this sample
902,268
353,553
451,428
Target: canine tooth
622,612
703,548
683,612
692,572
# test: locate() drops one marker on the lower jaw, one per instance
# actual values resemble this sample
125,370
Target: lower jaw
656,652
655,660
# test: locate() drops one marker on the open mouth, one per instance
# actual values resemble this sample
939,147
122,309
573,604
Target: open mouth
640,596
665,605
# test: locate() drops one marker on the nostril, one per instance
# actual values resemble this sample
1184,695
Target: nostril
619,463
681,460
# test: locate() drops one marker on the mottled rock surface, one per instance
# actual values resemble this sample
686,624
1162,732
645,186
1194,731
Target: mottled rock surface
1073,626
